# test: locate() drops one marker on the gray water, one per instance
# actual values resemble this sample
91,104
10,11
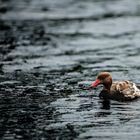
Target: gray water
48,48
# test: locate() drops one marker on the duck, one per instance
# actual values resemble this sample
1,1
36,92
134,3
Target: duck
117,90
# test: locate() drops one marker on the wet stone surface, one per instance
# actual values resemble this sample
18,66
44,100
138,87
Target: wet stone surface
47,49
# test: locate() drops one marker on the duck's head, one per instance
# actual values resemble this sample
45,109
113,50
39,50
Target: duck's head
103,78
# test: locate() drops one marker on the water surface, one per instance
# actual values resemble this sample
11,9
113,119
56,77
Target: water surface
47,49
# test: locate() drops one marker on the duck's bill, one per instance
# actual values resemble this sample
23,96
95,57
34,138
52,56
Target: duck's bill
96,83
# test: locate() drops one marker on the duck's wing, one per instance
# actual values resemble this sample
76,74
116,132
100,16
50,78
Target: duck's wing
126,90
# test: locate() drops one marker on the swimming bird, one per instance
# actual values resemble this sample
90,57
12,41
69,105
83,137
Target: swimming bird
118,90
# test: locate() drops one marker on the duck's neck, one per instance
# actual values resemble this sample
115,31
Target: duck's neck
107,84
107,87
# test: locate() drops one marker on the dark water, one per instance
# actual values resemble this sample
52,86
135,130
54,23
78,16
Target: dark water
47,48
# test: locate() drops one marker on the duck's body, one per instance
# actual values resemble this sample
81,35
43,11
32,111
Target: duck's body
119,90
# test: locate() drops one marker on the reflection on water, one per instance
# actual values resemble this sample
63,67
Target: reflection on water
48,48
97,118
105,104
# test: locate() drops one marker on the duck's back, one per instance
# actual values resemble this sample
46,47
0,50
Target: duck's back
122,91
